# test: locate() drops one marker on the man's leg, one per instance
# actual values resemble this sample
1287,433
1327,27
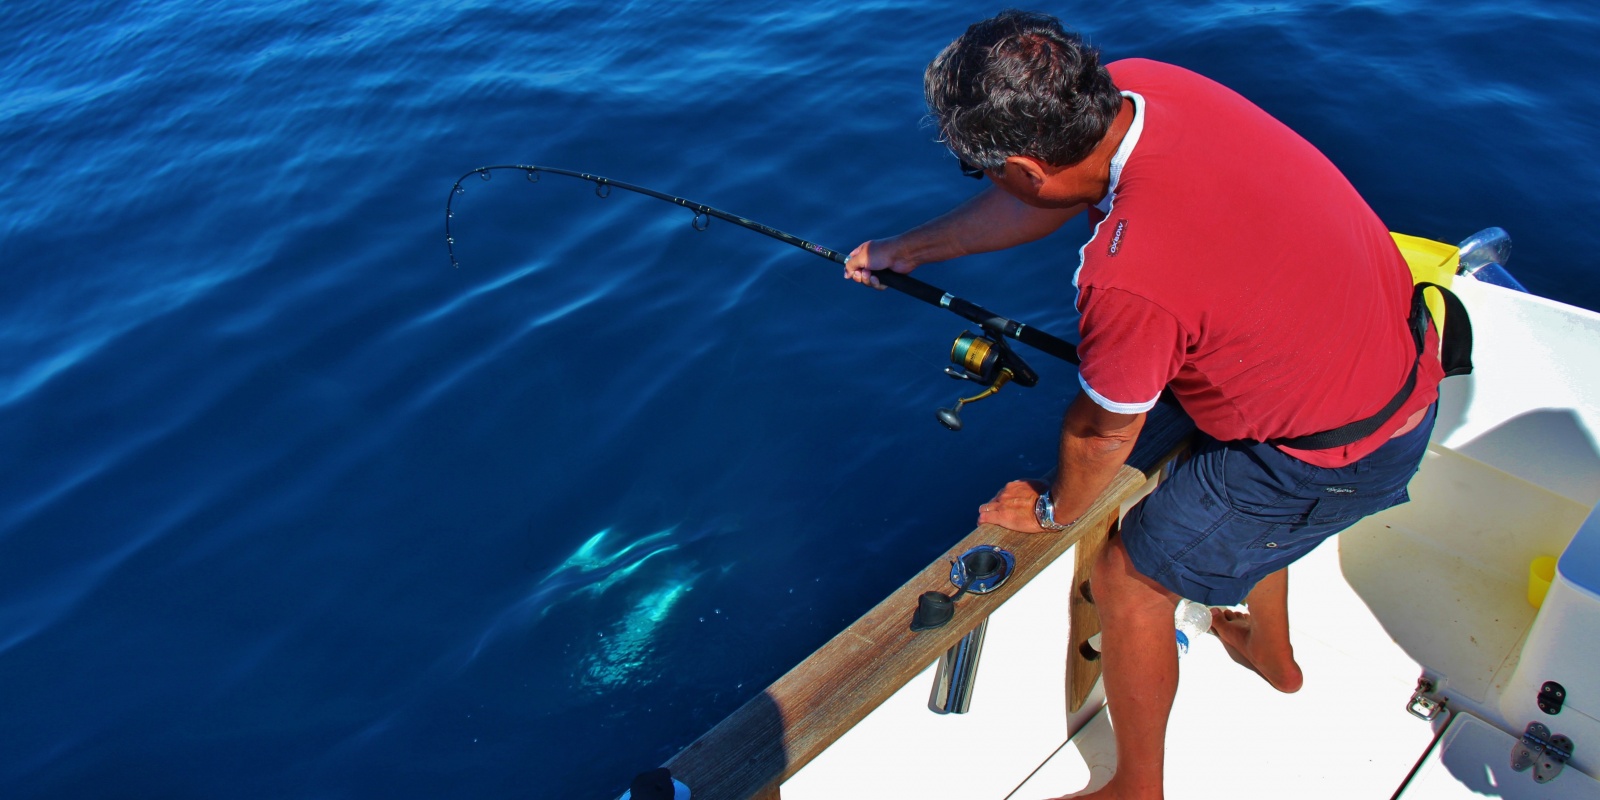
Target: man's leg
1260,640
1140,668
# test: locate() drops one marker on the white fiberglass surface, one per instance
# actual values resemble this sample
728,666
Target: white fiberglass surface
1446,575
1345,734
1532,405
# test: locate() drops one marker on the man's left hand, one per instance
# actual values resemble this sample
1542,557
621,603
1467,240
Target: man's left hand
1013,507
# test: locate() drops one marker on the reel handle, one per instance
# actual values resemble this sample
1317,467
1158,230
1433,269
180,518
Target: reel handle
951,417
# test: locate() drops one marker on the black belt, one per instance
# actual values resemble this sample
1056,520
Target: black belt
1455,355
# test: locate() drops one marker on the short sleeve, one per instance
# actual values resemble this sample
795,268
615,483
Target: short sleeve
1131,349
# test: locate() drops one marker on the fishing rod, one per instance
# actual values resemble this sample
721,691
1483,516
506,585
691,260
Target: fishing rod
983,359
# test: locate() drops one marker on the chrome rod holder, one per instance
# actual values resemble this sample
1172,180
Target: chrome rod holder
958,671
980,571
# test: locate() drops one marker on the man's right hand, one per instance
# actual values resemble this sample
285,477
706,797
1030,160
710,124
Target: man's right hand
991,220
878,254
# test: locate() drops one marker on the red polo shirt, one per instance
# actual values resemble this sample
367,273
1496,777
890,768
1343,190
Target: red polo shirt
1233,262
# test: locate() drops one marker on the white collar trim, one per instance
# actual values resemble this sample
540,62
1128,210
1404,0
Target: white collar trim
1118,160
1124,150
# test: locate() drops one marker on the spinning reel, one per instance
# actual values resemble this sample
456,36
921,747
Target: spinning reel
988,360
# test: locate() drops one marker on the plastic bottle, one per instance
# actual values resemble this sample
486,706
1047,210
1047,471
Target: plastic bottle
1191,619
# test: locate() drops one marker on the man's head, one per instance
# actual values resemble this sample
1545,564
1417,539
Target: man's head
1019,84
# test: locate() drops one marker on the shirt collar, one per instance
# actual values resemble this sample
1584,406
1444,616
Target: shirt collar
1124,150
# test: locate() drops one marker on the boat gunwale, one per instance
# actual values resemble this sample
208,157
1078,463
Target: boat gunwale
775,734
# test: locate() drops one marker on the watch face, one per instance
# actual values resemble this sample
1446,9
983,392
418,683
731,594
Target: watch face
1042,511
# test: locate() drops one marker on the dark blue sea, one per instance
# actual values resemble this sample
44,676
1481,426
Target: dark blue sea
291,507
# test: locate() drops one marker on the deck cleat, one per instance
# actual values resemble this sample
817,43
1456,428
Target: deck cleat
1422,706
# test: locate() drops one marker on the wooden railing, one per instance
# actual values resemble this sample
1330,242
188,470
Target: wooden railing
770,738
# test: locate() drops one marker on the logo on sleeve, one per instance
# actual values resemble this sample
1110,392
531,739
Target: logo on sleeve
1116,237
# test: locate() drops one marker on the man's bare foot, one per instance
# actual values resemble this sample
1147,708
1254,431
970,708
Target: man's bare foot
1275,664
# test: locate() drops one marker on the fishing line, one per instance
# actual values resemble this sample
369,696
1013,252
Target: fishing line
984,359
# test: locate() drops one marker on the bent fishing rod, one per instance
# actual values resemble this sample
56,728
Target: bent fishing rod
983,359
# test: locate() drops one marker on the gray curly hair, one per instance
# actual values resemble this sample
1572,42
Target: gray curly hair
1020,84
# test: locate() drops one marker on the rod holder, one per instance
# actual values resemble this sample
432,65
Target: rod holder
958,671
980,571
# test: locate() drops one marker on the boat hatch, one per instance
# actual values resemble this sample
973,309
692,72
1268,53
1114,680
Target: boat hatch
1473,759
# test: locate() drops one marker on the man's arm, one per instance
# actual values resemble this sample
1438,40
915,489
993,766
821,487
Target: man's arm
1095,443
991,220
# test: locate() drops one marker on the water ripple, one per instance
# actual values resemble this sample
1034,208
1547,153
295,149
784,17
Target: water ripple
598,565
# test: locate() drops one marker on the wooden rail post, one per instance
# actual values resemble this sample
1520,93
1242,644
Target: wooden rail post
1083,671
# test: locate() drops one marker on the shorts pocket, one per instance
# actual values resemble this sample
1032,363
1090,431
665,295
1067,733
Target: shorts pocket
1349,506
1258,482
1292,535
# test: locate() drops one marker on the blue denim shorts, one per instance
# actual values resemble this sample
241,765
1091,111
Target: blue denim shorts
1236,512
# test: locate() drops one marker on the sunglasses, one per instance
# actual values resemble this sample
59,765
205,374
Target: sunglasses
971,171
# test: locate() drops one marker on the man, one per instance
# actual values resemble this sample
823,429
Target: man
1230,262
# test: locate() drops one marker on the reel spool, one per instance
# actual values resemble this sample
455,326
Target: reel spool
985,359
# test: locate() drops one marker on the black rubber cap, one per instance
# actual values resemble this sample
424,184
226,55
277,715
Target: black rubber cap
933,611
655,784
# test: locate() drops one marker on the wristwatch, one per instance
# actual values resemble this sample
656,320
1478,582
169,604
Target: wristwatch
1044,513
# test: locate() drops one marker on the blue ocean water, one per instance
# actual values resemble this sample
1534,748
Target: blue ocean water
292,508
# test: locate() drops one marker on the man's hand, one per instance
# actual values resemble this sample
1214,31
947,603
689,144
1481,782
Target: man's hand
875,255
1013,507
991,220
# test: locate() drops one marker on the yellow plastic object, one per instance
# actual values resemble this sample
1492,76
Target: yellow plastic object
1540,573
1431,262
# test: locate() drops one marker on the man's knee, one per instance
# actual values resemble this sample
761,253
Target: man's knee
1112,562
1117,582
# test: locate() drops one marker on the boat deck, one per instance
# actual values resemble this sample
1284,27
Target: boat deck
1370,609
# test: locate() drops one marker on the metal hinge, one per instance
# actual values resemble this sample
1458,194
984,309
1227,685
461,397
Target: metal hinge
1544,752
1422,706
